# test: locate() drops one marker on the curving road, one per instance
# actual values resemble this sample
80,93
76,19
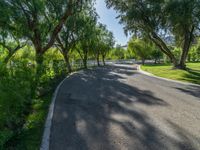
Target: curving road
117,108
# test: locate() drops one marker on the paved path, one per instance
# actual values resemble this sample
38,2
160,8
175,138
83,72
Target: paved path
117,108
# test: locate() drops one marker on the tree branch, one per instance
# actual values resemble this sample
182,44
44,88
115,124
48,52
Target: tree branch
57,29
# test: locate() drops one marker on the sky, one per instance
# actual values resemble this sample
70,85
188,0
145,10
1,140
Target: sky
108,17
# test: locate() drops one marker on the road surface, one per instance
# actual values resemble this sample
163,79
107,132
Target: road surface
117,108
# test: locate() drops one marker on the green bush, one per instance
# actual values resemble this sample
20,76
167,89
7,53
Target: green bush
15,98
20,109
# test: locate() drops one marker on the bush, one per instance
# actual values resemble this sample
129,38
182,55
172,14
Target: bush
15,98
18,101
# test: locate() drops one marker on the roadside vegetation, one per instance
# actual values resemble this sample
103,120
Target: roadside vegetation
41,42
166,24
160,65
164,32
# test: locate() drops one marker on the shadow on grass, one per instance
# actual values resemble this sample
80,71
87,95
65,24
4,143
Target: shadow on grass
96,110
193,76
158,64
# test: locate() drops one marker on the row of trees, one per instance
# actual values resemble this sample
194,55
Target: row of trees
144,49
67,25
40,40
160,19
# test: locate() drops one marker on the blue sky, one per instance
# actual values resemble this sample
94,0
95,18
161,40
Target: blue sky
108,17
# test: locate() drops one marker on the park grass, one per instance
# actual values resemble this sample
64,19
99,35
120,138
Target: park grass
191,75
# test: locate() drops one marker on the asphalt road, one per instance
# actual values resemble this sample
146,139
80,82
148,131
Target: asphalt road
117,108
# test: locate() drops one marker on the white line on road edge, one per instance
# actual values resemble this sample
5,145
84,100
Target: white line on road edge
175,81
48,123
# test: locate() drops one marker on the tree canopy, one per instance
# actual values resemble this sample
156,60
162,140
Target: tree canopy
160,19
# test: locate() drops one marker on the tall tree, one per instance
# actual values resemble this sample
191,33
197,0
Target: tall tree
144,17
69,35
140,48
87,35
40,21
107,42
158,19
103,42
9,38
183,20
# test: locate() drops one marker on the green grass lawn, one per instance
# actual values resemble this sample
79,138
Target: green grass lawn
192,74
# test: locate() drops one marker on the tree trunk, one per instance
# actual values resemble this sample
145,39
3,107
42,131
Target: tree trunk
6,60
97,57
39,65
143,61
163,47
11,52
85,60
38,73
103,58
155,61
186,47
182,64
69,68
85,63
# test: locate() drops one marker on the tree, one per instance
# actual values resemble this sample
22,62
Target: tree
108,45
183,18
96,44
87,35
117,53
11,43
156,54
158,19
104,43
40,21
194,53
9,38
69,35
144,18
141,49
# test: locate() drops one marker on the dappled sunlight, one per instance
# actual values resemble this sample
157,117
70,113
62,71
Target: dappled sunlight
107,116
105,102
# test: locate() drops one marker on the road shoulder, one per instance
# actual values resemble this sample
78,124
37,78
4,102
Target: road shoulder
48,123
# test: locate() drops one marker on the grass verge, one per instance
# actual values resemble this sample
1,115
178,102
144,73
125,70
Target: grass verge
191,75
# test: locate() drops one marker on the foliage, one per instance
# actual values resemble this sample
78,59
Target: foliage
16,99
117,53
129,54
157,20
71,31
31,32
15,96
104,42
141,49
156,54
194,54
177,52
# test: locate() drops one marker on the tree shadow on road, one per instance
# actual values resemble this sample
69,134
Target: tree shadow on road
95,110
191,90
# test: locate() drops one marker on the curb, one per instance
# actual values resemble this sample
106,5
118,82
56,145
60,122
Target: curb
48,123
170,80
